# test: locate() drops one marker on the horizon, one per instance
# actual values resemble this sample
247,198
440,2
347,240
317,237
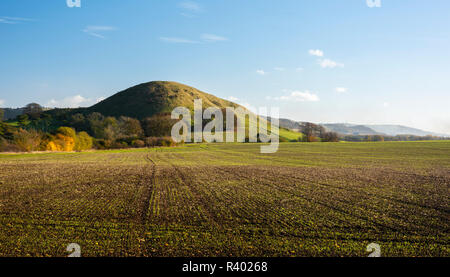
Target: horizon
318,62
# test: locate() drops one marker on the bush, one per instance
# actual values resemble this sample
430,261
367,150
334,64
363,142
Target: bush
101,144
151,141
138,143
28,141
6,146
83,141
160,141
119,145
330,137
67,131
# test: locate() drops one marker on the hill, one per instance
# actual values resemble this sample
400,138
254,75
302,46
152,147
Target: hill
10,113
148,99
150,103
394,130
351,129
386,129
161,97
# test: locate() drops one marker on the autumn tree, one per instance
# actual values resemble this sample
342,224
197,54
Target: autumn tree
28,140
83,141
64,140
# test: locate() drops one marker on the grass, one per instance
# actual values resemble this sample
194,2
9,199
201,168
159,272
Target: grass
308,199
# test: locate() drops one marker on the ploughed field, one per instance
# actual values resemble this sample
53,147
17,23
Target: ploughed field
309,199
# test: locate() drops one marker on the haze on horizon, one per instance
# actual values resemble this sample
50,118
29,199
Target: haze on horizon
319,61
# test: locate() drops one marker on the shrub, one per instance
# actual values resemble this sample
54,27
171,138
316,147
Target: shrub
27,140
67,131
6,146
101,144
166,142
83,141
159,141
138,143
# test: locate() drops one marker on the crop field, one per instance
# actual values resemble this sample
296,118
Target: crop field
308,199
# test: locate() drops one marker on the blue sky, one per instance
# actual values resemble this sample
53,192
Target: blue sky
320,61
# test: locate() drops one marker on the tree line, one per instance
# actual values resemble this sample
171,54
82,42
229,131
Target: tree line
66,130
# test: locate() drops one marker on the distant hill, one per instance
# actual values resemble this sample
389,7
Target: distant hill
289,124
361,130
386,129
351,129
148,99
393,130
12,113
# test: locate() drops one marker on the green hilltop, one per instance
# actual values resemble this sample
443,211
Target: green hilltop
158,97
161,97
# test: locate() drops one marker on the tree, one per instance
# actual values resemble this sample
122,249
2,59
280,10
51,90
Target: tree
309,130
378,138
83,141
64,140
130,127
28,140
2,114
158,125
111,130
33,110
330,137
23,119
67,131
79,122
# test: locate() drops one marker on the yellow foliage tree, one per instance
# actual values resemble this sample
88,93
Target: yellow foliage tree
62,142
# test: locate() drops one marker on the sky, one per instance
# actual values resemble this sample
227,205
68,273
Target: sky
323,61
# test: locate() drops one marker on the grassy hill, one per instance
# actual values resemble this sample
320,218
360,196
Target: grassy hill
160,97
148,99
155,100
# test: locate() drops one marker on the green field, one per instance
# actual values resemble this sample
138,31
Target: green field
309,199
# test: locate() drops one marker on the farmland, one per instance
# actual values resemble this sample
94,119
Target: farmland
308,199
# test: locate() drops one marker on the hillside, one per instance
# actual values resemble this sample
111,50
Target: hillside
11,113
148,99
386,129
351,129
393,130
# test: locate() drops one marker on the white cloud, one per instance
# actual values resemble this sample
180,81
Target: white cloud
261,72
232,99
317,52
212,38
386,104
245,104
13,20
299,69
2,102
190,6
100,99
341,90
327,63
249,107
191,9
97,31
177,40
70,102
297,96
